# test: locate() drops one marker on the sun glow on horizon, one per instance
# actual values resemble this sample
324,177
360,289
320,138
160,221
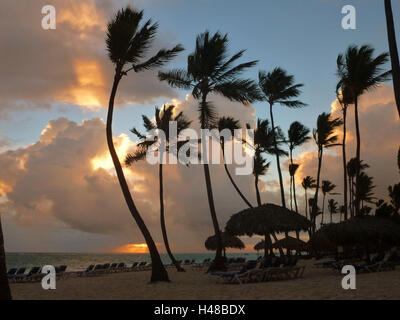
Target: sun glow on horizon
132,248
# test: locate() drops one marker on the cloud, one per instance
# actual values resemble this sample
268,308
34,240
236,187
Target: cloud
67,65
65,184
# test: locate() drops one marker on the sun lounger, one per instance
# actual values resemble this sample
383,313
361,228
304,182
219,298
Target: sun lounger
251,272
32,275
11,272
20,272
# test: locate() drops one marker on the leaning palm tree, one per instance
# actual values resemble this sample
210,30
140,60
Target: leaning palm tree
332,207
229,123
307,183
292,172
394,54
325,137
260,168
209,70
278,88
326,187
344,101
5,293
359,72
127,43
298,134
161,123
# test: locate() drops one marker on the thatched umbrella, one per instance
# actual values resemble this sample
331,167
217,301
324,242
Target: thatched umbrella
265,220
291,243
228,241
259,246
364,231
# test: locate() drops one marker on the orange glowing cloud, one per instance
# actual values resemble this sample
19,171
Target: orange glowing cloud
132,248
81,16
89,90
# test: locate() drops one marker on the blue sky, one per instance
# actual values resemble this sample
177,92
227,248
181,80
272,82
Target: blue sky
303,37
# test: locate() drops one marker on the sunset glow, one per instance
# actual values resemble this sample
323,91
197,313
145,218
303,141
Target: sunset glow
132,248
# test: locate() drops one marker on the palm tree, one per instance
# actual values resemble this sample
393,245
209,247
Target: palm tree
341,211
364,190
5,292
394,194
324,137
162,120
352,167
326,187
344,100
126,46
209,70
307,183
333,208
229,123
278,87
298,134
359,72
394,54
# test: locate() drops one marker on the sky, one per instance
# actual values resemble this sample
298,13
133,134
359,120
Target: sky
58,190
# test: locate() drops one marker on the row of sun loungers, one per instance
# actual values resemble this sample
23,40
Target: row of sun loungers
268,269
381,262
35,274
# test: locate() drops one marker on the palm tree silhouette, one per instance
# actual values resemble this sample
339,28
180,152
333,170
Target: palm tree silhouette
333,208
126,46
394,54
364,190
359,72
307,183
326,187
298,134
209,70
344,101
352,167
278,87
324,137
162,122
229,123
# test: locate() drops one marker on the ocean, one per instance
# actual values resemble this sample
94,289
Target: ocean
80,261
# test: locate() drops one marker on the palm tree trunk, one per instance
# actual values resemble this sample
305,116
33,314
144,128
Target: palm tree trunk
158,270
5,293
277,158
281,253
323,209
266,245
294,195
218,264
259,203
394,55
290,193
315,204
233,182
305,196
162,220
351,202
344,162
358,156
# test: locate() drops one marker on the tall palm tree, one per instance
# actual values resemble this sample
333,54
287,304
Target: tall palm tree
394,54
344,101
298,134
5,293
229,123
307,183
209,70
127,43
292,172
359,72
333,208
278,88
326,187
324,137
162,121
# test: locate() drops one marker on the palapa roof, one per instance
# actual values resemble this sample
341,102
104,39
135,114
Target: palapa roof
290,243
228,241
360,230
266,219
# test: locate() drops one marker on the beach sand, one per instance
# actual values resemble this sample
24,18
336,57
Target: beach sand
315,284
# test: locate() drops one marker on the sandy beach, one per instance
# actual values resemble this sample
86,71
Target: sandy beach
316,283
